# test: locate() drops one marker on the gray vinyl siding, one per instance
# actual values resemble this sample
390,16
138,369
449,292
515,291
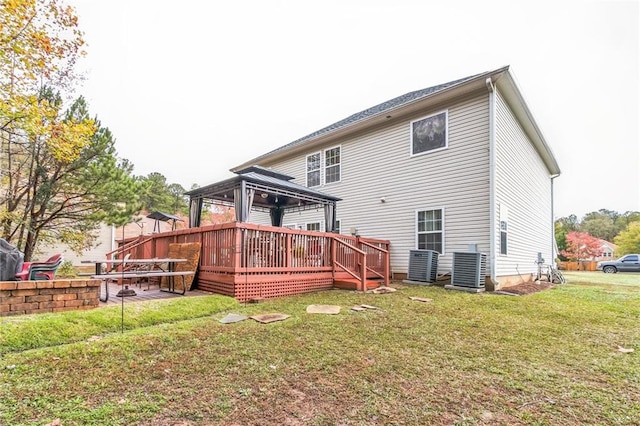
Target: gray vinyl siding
378,163
523,184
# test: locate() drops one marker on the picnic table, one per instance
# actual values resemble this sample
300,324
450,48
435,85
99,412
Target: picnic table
138,269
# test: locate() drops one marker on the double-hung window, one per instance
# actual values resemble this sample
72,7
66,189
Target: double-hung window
430,227
324,167
313,226
313,170
332,165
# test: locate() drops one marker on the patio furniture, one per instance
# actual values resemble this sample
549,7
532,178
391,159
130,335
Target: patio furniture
40,270
147,270
11,260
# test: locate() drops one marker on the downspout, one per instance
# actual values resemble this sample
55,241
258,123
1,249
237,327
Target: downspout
492,181
553,226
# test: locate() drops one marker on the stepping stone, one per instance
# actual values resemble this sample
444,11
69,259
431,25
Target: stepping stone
267,318
358,308
420,299
369,307
383,290
323,309
231,318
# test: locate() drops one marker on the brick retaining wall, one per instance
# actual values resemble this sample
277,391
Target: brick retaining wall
33,297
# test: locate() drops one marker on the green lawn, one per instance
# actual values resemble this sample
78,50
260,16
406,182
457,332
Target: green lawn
549,358
599,277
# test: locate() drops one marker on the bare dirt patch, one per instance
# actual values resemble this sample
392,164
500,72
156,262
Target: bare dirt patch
527,288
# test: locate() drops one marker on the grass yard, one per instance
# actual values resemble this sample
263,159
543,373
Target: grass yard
599,277
549,358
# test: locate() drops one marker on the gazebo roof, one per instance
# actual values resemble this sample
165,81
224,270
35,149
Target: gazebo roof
271,189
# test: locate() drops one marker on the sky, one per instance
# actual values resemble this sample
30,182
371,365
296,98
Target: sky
191,89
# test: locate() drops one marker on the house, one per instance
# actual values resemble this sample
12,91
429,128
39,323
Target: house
104,243
455,167
107,237
608,251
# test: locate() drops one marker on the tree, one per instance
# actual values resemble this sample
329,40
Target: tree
569,223
180,203
626,219
600,224
39,45
561,239
55,194
157,195
581,246
629,241
563,226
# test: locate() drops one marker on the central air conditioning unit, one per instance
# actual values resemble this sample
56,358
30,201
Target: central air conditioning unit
423,265
469,269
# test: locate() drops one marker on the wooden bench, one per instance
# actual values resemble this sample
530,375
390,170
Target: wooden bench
136,275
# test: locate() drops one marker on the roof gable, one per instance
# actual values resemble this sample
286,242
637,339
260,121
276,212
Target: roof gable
375,110
375,114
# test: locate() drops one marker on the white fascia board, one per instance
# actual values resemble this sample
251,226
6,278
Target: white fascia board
512,94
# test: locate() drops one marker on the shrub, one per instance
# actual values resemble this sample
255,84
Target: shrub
66,270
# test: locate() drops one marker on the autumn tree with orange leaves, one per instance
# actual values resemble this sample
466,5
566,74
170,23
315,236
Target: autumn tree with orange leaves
581,246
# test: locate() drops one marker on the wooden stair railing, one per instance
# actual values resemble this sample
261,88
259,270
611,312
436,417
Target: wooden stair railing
122,251
359,268
385,253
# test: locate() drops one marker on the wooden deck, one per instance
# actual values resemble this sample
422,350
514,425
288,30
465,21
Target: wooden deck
247,261
143,294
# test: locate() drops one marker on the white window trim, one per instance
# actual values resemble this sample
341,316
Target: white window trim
415,225
446,136
320,229
306,170
324,165
339,228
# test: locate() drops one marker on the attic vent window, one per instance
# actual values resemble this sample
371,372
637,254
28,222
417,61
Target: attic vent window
429,133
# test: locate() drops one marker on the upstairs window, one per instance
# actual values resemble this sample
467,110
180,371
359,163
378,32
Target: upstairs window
324,167
332,165
430,230
429,133
313,170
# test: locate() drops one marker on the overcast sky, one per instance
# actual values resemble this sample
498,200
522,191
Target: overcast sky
192,88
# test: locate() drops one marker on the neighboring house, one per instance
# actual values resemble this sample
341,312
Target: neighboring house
448,168
608,251
105,242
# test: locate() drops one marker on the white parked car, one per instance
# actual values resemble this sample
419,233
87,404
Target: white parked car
627,263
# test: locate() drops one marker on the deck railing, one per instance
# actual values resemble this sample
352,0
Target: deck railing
351,260
249,249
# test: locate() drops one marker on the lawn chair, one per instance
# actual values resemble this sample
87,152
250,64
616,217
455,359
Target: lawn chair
40,270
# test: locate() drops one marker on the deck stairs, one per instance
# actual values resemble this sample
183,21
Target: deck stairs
354,284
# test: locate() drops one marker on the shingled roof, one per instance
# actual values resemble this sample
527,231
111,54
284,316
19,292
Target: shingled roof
500,77
376,110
